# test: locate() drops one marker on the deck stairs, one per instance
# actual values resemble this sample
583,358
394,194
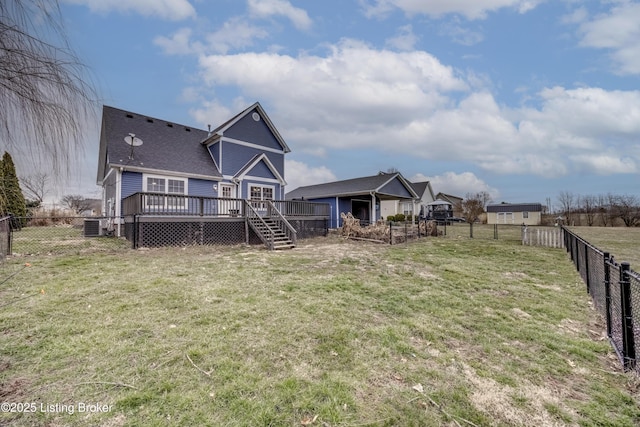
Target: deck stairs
274,230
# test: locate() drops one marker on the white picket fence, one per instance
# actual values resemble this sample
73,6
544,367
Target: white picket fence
550,237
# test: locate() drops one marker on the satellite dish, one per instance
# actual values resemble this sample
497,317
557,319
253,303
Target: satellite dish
133,142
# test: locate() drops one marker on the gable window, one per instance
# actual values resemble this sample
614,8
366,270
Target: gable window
172,189
260,193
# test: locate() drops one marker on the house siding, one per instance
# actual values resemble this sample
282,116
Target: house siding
236,156
389,207
214,150
131,183
261,170
515,218
201,187
247,129
396,188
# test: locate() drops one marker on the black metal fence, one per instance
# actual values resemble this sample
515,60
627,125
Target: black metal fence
615,290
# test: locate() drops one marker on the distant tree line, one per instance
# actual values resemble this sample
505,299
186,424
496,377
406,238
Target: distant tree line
605,210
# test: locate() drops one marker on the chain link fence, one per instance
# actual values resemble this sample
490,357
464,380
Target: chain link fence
615,290
63,235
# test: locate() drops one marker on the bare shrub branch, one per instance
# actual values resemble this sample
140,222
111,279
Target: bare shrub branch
45,95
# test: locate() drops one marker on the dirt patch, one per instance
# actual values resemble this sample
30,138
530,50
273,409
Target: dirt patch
13,389
499,401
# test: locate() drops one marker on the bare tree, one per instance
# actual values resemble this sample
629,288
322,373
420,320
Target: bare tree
485,198
603,209
78,203
627,208
45,95
473,206
589,207
568,203
35,186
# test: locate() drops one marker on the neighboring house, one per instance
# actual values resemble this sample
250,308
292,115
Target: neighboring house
408,207
241,159
514,213
455,201
363,197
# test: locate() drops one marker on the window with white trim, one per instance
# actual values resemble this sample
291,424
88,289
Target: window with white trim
260,193
227,191
173,189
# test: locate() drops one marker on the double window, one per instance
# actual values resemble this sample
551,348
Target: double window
173,191
259,194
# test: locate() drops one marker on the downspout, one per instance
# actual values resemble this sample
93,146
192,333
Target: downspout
118,212
337,213
373,207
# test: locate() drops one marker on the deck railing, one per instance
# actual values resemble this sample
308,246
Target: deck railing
180,205
302,208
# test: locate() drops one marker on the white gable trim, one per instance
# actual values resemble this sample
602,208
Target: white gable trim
403,181
263,116
162,172
261,158
252,145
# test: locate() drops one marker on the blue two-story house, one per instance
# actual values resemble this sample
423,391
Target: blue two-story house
150,167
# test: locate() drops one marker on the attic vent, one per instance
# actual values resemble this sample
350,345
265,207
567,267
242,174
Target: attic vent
187,129
130,116
150,120
256,117
170,125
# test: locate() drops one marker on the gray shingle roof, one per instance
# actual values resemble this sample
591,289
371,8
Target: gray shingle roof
515,207
349,187
166,146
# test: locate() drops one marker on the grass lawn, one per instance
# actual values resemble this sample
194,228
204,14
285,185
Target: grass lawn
622,242
453,332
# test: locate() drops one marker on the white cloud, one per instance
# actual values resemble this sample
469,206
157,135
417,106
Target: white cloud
268,8
236,33
174,10
619,32
179,43
457,184
409,103
404,40
471,9
606,163
460,34
300,174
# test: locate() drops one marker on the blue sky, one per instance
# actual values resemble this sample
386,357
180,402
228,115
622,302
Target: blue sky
523,99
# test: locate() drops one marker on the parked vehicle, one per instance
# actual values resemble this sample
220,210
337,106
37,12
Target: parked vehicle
439,211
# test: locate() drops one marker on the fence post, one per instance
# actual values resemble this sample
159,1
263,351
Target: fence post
607,291
628,344
586,268
406,235
134,239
